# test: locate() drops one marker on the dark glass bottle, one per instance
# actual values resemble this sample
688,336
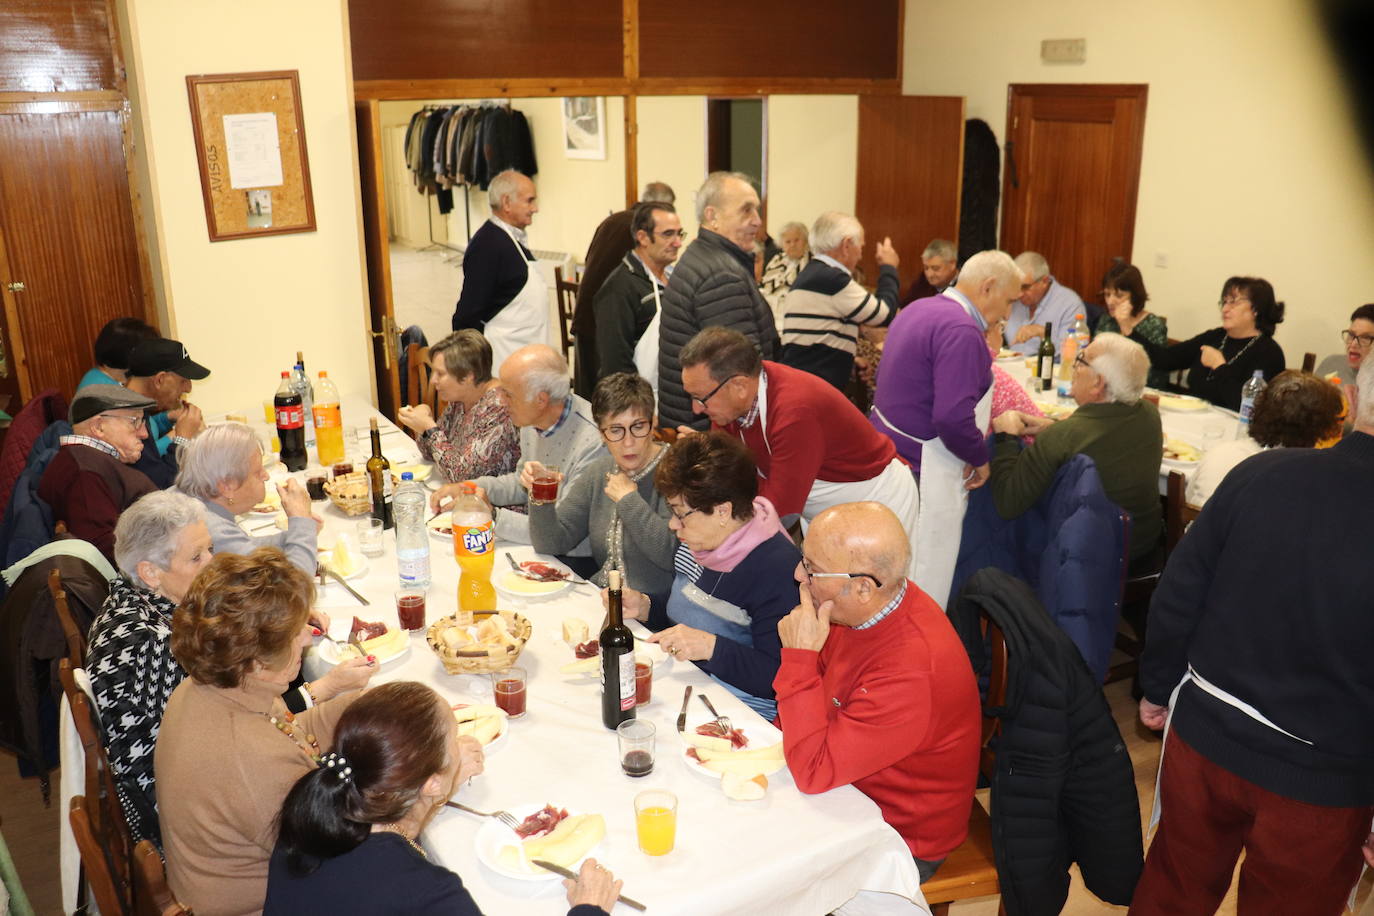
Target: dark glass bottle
1044,360
617,660
379,480
290,425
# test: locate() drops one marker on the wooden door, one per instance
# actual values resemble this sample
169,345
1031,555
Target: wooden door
69,248
911,167
1071,172
384,333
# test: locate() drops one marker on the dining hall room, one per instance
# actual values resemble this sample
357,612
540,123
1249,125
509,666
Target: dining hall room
257,180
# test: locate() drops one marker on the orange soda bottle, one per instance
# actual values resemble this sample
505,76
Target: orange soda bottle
474,547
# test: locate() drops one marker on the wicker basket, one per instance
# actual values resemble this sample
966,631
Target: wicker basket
352,493
479,659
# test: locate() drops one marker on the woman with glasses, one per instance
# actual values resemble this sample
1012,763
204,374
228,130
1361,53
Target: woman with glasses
612,501
735,566
1358,340
1220,361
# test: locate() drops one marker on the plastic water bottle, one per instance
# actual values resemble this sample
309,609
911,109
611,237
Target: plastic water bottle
1080,332
301,385
412,540
1247,402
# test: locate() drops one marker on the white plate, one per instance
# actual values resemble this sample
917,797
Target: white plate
758,735
508,582
1179,463
500,738
1014,358
1182,403
445,522
329,651
493,835
363,566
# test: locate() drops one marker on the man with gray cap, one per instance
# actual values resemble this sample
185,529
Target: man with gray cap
89,482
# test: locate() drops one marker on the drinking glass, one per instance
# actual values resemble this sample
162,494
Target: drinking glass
544,488
636,737
508,690
370,532
656,821
644,682
410,608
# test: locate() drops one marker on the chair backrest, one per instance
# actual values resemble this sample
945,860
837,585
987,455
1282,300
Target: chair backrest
1309,362
154,897
419,383
567,304
76,642
28,424
112,894
997,691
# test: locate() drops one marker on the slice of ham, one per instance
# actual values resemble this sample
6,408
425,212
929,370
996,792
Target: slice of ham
541,822
368,630
713,730
589,649
543,572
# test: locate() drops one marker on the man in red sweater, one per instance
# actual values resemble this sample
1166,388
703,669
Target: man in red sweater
813,448
875,688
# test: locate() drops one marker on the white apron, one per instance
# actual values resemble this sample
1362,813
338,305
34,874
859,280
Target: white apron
524,320
894,487
943,500
646,351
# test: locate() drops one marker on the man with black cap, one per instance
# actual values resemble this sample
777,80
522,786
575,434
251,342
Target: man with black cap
89,482
162,370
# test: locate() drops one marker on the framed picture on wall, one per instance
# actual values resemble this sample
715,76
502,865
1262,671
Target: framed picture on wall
584,127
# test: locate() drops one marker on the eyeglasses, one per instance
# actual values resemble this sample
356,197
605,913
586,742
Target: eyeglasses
682,516
702,401
1365,340
137,422
639,429
1233,300
806,565
673,234
1081,360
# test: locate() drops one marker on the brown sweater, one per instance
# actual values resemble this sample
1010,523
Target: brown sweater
88,489
223,771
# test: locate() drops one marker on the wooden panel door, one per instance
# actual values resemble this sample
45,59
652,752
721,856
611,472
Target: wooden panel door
382,315
911,167
1072,169
67,233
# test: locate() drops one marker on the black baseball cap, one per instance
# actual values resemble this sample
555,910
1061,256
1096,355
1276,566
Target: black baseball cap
150,357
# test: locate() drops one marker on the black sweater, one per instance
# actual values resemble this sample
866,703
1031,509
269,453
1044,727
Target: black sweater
493,274
1269,597
1221,385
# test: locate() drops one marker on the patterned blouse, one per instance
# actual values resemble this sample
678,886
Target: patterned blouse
1154,329
467,444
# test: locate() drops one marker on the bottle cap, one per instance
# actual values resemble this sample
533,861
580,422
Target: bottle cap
613,580
285,374
469,487
323,374
406,475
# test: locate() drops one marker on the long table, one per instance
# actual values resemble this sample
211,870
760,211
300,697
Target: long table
787,854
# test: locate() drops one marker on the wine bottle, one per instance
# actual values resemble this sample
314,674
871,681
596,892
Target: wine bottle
617,660
1044,361
379,480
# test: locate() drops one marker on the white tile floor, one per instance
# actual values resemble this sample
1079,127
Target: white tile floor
424,288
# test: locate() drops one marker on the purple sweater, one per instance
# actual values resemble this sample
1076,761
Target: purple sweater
936,366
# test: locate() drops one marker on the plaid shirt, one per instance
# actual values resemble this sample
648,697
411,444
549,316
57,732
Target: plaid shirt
94,443
567,409
752,416
888,609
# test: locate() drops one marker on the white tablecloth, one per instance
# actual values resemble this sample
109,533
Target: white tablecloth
788,854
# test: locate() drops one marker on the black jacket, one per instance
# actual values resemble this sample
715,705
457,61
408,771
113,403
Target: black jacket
712,285
1063,789
493,274
624,307
610,243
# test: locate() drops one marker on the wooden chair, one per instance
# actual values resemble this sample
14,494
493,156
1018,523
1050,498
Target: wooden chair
418,388
971,869
567,303
76,642
154,897
1309,362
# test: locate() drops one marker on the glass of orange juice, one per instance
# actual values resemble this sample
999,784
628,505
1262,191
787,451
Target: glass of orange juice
656,821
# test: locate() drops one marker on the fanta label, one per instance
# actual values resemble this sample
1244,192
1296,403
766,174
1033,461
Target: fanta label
477,540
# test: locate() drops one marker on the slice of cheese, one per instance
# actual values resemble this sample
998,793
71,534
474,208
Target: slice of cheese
485,728
389,643
582,666
343,560
771,752
574,631
744,788
565,845
477,711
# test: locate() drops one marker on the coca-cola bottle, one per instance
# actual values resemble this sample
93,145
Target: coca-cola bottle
290,425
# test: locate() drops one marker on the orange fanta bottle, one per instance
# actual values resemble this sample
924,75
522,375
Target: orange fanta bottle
474,547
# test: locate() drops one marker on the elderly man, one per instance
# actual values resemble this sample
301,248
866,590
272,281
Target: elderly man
556,428
89,481
1044,301
934,400
161,369
1113,425
713,285
628,303
827,307
939,270
1259,644
875,689
781,270
504,296
813,448
613,239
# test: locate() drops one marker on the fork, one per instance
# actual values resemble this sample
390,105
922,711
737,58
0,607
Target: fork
504,817
722,721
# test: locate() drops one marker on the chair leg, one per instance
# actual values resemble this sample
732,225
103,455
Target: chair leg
939,909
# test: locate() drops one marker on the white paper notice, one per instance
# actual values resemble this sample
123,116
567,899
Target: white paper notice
253,150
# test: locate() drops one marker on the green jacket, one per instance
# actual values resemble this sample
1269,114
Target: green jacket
1126,443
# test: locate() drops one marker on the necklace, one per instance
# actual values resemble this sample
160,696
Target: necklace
286,725
1222,347
396,829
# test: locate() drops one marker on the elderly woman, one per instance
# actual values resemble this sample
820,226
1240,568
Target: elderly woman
781,270
1358,340
475,436
1222,360
612,500
229,750
1123,290
734,568
395,760
1295,410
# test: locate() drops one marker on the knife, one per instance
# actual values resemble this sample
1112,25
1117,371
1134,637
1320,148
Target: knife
560,870
682,716
340,579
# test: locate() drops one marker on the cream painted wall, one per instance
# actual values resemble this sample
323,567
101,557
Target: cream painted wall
244,307
813,149
1250,162
672,148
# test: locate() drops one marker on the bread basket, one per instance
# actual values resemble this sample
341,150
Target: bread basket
479,658
352,493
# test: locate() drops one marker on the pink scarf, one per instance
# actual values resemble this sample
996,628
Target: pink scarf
742,542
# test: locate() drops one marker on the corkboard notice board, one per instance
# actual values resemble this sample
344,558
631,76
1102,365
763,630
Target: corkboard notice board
250,144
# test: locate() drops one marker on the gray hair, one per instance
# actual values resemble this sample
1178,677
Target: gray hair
1123,365
941,248
657,192
832,228
148,530
1364,383
793,226
991,264
502,186
1033,265
709,194
545,371
221,453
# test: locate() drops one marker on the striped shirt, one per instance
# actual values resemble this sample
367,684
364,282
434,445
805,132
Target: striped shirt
826,306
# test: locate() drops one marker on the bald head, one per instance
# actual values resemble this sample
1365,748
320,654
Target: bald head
857,538
536,379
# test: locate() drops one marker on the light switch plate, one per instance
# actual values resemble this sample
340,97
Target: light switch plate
1064,50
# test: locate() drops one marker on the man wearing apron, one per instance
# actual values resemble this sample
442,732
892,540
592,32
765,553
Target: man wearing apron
627,305
504,295
934,400
813,448
1257,664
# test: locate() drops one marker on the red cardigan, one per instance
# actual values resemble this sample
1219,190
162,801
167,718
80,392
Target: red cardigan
811,432
893,710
